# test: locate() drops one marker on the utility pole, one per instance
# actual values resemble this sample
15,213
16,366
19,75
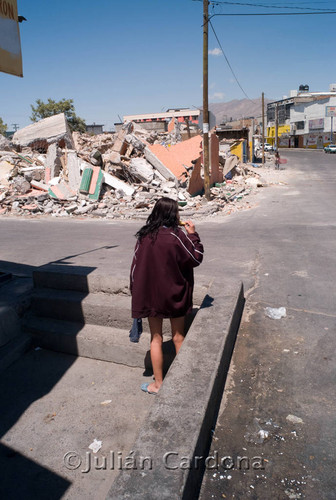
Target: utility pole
331,129
276,126
263,128
205,100
16,126
188,128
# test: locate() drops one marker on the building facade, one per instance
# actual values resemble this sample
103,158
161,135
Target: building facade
302,120
95,129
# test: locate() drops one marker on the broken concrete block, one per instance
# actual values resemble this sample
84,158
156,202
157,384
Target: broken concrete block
86,180
96,158
54,181
112,157
158,165
21,184
76,140
230,163
39,185
5,144
31,208
135,142
141,169
73,165
53,163
71,208
120,145
96,183
116,183
52,129
3,195
196,182
5,171
86,209
15,205
61,191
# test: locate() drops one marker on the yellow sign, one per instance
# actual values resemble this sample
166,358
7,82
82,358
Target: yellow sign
10,45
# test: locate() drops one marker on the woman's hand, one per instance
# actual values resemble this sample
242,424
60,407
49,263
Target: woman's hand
189,227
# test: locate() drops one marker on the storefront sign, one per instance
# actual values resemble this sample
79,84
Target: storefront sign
317,124
330,110
10,45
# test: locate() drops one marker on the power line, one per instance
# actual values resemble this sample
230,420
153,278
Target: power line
265,6
275,14
315,10
269,4
228,63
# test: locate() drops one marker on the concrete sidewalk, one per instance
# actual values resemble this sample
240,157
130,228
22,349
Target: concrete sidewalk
53,406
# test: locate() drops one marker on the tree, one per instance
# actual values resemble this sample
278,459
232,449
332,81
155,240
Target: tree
3,127
50,108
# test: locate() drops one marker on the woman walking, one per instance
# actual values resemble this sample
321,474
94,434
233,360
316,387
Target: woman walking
162,278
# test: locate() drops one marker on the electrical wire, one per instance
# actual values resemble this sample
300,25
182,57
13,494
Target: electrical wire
315,10
268,4
275,6
276,14
228,63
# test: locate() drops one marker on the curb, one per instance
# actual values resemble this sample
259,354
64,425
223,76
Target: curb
184,413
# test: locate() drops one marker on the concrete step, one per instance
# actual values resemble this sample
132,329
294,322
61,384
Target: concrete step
93,308
92,341
84,279
80,279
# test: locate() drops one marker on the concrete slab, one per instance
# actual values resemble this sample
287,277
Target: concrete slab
51,411
51,129
158,164
73,166
53,163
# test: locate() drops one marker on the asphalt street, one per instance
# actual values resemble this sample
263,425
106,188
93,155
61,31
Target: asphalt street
279,398
278,409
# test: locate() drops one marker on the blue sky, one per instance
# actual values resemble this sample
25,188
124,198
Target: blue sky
140,56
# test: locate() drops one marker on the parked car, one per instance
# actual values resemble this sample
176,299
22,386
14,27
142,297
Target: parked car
331,148
268,147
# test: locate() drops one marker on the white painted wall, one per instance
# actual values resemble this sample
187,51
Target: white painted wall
313,111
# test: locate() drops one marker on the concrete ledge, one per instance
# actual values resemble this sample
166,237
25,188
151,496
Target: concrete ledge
80,279
87,280
185,410
13,350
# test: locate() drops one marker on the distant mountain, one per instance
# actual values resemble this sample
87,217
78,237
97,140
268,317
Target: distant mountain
238,108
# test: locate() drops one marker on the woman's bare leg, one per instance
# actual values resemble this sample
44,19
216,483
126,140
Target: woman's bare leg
155,326
177,328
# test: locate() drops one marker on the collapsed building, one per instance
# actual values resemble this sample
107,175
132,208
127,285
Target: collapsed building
47,170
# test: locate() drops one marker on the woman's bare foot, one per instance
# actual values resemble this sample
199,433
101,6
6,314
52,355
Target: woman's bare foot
153,387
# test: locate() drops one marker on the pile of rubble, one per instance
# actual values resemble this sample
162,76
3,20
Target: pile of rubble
49,170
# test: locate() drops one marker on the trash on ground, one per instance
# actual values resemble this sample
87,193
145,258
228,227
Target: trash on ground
95,445
275,313
294,419
106,402
255,433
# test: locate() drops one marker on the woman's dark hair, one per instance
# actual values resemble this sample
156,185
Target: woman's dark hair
164,213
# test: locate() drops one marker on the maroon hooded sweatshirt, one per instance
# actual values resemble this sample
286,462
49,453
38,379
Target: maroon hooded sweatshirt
162,276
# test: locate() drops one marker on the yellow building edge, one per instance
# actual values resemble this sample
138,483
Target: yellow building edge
237,149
